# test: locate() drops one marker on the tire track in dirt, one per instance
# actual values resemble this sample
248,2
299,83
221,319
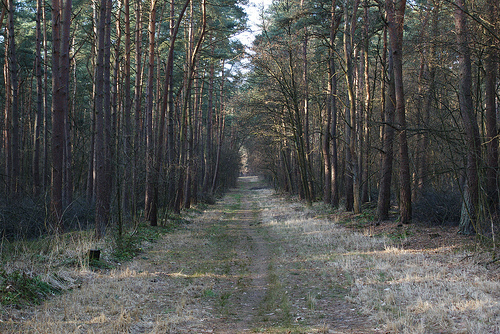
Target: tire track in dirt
245,305
283,289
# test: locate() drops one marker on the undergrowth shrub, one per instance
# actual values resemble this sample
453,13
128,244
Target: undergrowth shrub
27,218
206,198
24,218
437,207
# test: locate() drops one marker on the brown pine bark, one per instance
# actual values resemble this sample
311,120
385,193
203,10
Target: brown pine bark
470,207
101,183
168,102
127,191
57,121
116,133
46,168
108,118
65,81
367,108
137,103
208,157
151,205
188,103
220,127
14,176
306,116
331,193
384,195
37,135
7,131
333,135
327,168
491,64
90,191
169,105
352,183
395,20
428,98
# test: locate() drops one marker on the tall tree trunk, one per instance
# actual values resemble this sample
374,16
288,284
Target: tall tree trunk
137,103
327,168
352,174
305,78
46,173
470,206
108,120
168,100
197,135
90,191
332,82
7,131
220,135
188,101
127,191
395,20
102,201
57,120
423,169
37,182
65,81
491,139
384,195
367,108
333,134
169,105
331,193
208,158
5,128
220,139
14,177
116,131
151,205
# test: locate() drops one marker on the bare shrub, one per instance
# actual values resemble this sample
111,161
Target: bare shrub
437,207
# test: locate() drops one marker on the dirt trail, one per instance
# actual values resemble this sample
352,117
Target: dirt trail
274,287
226,271
245,303
256,262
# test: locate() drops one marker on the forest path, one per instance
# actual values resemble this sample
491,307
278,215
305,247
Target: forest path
243,243
240,266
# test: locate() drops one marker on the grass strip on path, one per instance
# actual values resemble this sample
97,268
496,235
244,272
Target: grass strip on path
257,262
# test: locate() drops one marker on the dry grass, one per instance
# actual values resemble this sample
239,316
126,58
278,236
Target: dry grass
154,293
327,278
59,260
440,290
149,294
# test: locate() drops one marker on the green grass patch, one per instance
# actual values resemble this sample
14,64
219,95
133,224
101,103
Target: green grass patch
276,298
208,293
20,289
400,235
129,244
100,264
